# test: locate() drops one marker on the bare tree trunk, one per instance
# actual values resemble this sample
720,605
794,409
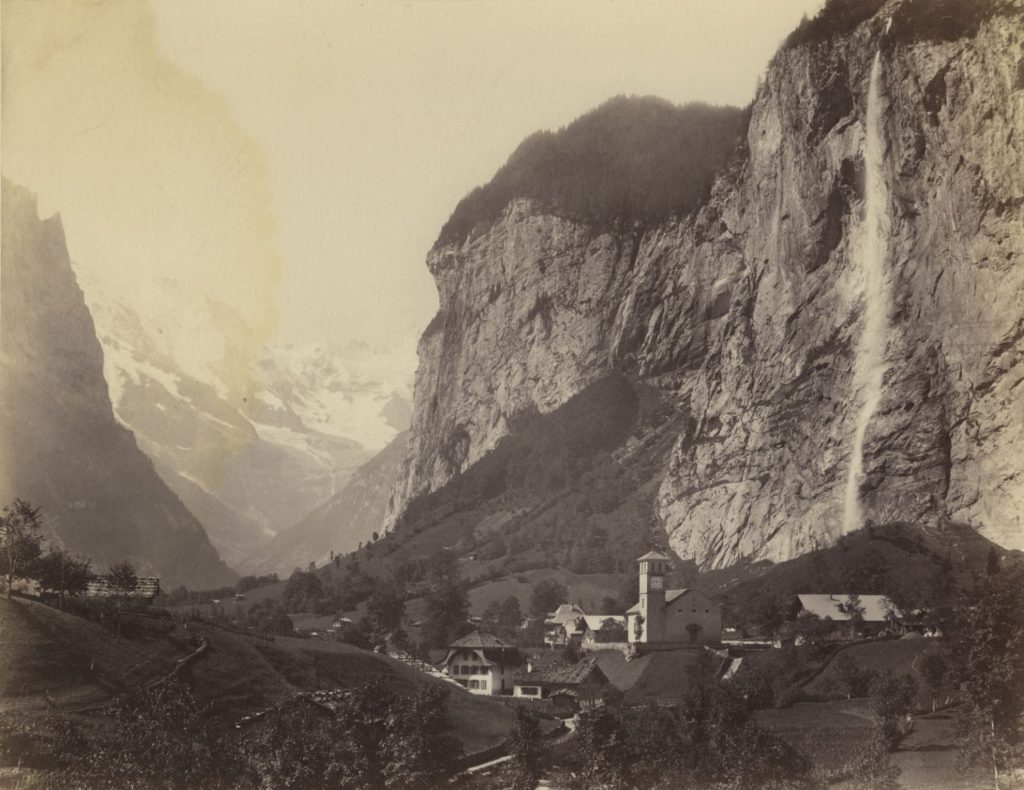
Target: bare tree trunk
995,765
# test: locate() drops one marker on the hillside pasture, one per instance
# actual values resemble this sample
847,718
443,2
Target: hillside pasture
52,662
901,656
828,733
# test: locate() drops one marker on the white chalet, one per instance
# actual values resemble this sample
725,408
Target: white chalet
482,664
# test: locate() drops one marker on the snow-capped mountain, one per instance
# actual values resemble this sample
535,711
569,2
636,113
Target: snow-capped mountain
251,438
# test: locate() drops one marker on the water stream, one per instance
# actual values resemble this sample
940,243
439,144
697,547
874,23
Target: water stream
869,365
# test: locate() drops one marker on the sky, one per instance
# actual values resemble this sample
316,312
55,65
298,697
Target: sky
297,159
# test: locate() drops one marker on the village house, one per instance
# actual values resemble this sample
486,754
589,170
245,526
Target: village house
482,664
603,631
147,588
570,688
877,613
562,625
667,619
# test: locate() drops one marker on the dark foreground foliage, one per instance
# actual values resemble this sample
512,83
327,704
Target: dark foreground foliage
369,737
708,741
986,658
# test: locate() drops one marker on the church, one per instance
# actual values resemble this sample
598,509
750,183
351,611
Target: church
669,619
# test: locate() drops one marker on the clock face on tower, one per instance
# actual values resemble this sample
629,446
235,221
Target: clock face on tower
656,582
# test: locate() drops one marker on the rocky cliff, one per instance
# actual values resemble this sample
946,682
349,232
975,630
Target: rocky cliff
62,449
841,334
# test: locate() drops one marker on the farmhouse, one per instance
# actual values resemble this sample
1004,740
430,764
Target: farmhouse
562,625
877,612
569,687
668,619
146,588
482,664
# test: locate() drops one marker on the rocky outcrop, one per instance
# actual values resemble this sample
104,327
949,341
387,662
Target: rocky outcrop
524,315
750,313
62,448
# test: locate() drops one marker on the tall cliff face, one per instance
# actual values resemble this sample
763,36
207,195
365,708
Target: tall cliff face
61,447
758,314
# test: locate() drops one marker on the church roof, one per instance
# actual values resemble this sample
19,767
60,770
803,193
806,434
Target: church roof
671,596
653,555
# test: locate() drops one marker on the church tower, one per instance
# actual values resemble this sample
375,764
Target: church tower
653,567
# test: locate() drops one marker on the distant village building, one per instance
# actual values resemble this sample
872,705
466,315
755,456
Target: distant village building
877,612
569,687
562,625
670,618
147,588
482,664
602,631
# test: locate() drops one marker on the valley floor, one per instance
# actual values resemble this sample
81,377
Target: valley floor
55,665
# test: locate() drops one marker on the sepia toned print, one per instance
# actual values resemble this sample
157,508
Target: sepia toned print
512,395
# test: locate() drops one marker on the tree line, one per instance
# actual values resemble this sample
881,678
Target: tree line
23,557
631,160
369,736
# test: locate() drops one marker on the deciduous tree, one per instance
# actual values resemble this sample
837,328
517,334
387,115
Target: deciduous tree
934,667
385,608
987,662
447,609
526,750
123,578
547,595
59,572
20,541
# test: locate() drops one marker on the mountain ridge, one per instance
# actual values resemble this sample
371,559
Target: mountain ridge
252,448
63,450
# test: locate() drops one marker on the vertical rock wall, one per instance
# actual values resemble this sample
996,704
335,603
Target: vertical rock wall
749,313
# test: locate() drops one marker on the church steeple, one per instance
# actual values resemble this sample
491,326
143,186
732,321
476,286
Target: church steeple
653,567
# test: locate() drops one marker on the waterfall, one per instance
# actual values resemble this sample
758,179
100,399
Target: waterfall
869,365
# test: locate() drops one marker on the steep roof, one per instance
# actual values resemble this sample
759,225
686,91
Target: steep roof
559,674
876,607
565,613
671,596
654,555
479,640
492,651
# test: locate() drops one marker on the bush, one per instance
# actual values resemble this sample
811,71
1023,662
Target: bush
853,681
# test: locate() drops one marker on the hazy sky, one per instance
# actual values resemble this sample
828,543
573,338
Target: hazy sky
298,158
